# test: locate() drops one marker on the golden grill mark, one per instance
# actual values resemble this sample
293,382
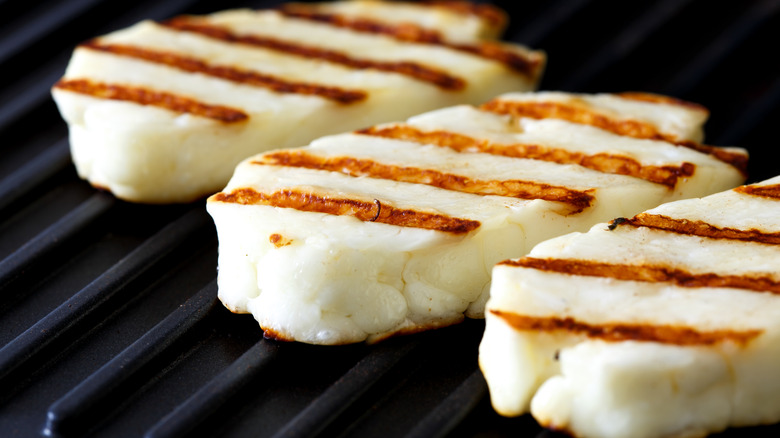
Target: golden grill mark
762,191
145,96
573,113
619,332
658,98
697,228
402,31
528,64
602,162
362,210
411,69
736,159
628,127
232,74
493,15
648,273
356,167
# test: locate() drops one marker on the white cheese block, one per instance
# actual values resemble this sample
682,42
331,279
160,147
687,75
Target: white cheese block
664,324
395,228
163,112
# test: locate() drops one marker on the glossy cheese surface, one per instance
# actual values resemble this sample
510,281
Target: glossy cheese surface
163,111
395,228
666,322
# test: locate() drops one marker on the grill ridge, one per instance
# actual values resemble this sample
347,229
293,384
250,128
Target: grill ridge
727,42
13,266
90,397
169,361
346,391
93,298
452,410
623,43
34,173
246,369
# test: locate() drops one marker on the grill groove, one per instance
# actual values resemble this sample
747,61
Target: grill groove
92,396
142,348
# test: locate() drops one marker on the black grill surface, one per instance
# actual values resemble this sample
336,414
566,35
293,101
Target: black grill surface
109,324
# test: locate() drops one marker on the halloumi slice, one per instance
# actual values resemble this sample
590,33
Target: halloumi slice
663,324
162,112
395,228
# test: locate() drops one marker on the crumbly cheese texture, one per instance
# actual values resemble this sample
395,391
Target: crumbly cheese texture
687,347
386,262
149,153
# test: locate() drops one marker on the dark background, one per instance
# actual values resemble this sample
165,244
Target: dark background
84,277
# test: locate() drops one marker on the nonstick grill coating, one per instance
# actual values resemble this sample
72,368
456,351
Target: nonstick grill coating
109,324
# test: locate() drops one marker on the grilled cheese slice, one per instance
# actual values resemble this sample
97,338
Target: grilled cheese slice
662,324
395,228
163,111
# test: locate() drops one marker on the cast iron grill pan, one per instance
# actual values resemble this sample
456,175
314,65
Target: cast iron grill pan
109,325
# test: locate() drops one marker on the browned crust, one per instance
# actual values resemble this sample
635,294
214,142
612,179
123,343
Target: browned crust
193,65
736,159
274,335
619,332
146,96
765,191
269,333
573,113
406,331
602,162
648,273
628,127
697,228
494,16
356,167
529,64
659,98
278,240
402,31
407,68
375,211
562,430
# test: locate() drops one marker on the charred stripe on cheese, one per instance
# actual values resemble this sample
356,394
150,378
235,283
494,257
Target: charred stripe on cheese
489,13
696,228
578,199
617,332
146,96
571,112
402,31
633,128
765,191
528,65
647,273
412,69
602,162
376,211
193,65
658,98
